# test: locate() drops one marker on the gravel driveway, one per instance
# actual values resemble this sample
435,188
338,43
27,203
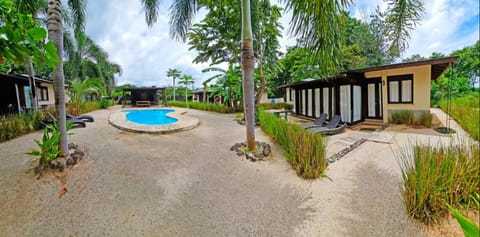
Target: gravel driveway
191,184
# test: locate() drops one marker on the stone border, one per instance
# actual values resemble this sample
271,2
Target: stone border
118,119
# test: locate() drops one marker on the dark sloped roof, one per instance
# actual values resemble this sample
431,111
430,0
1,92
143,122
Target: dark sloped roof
25,77
438,65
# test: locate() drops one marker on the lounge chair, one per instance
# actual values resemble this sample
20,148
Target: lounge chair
333,127
84,117
320,122
74,121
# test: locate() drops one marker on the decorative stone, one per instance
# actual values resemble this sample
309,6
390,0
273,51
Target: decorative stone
61,164
75,157
258,155
266,151
53,164
70,161
240,152
72,146
80,153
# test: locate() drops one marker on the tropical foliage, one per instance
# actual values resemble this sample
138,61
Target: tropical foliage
15,125
22,37
79,90
88,60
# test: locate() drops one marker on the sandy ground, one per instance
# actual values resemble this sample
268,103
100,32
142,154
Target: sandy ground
191,184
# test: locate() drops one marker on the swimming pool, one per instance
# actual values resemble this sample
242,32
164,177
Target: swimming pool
150,116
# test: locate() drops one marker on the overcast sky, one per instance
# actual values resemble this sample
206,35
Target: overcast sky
146,53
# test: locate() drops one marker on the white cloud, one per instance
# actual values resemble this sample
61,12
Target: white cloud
447,25
145,54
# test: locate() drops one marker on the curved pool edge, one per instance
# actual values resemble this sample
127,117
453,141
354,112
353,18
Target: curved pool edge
118,119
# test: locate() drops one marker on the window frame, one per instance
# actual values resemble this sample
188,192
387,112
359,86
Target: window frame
41,95
400,79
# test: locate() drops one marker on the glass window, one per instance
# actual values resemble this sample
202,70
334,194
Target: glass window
406,90
400,89
393,91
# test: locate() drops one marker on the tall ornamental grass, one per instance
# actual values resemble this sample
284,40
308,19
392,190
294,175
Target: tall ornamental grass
14,125
435,177
305,151
466,111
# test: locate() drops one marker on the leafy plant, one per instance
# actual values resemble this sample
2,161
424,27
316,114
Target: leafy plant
49,149
437,176
305,151
470,229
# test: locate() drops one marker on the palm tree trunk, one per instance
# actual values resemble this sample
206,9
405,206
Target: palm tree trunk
31,81
247,74
173,88
261,88
55,34
204,93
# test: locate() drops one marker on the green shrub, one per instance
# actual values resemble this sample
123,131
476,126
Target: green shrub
219,108
466,111
305,151
104,103
89,106
435,177
15,125
268,106
425,119
402,117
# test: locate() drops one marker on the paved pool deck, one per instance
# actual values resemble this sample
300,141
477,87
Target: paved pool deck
184,122
190,184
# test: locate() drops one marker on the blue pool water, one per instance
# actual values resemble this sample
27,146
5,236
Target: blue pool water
151,116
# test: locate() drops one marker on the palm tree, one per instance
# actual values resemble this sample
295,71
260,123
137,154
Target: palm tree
319,23
186,80
55,35
80,89
173,73
86,59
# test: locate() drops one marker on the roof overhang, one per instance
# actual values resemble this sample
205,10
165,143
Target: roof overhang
438,67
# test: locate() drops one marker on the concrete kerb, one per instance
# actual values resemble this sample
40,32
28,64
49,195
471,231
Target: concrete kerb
118,119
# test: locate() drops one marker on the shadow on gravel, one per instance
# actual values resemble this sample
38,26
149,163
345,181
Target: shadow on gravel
375,206
252,211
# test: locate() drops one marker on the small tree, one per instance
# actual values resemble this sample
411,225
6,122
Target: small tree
80,89
186,80
174,73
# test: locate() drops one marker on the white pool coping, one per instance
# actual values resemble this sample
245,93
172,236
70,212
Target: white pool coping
119,120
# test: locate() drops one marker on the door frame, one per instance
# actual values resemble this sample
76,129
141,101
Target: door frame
378,98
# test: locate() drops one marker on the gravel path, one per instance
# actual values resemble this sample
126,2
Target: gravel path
191,184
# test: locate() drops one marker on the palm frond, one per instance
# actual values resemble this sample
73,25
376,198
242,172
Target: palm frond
402,17
78,8
181,16
151,11
318,24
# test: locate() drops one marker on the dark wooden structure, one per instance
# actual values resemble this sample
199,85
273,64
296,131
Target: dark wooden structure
142,94
14,93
